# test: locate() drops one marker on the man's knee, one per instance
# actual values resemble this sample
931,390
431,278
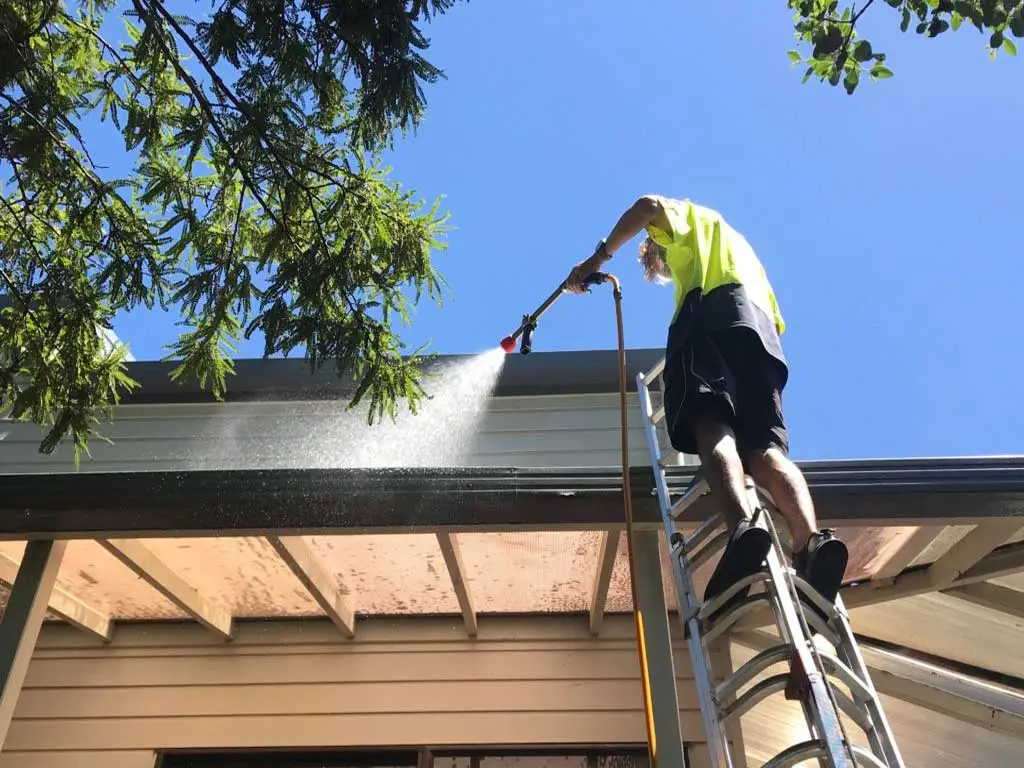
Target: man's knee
769,461
716,441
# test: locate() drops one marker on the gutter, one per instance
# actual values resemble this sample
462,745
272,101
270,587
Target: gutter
245,502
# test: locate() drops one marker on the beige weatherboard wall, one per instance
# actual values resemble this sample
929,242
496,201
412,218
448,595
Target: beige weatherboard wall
414,636
525,681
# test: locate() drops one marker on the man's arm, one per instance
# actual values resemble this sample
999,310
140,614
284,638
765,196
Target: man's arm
645,211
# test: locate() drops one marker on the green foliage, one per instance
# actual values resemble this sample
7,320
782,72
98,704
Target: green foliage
839,55
256,200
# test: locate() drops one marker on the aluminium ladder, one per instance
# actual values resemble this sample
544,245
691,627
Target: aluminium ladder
813,672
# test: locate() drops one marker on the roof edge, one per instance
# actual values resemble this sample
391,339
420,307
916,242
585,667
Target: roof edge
538,373
332,501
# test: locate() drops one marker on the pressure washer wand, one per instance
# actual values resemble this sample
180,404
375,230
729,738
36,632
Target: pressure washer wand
529,324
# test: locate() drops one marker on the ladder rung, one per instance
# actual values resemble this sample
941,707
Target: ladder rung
810,593
808,750
667,456
849,678
814,621
755,695
655,371
708,527
752,668
723,597
697,559
658,415
730,617
689,497
796,754
852,710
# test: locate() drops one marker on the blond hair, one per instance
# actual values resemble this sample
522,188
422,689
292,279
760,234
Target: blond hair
652,259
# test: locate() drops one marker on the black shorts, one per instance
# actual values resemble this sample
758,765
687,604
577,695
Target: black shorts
730,375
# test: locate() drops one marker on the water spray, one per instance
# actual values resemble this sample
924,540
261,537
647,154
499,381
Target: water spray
529,324
526,329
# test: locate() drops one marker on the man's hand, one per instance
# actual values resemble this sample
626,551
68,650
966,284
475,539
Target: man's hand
583,270
646,210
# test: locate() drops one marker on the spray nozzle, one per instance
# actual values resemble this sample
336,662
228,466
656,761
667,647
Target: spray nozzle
529,324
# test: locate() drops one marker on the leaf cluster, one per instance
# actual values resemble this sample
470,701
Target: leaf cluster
255,200
838,54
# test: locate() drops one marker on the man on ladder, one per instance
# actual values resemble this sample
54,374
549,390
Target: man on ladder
724,376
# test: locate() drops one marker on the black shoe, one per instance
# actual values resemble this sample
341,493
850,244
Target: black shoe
822,564
744,555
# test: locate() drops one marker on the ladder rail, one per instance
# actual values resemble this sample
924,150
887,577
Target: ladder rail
881,737
718,749
848,660
822,715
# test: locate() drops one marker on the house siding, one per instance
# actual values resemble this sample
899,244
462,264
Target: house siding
543,431
523,681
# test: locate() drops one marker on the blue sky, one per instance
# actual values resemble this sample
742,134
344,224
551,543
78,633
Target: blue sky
886,220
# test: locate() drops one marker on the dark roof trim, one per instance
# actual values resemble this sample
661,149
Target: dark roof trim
334,501
539,373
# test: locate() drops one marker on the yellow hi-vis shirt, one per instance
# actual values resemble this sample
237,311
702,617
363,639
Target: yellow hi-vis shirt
705,253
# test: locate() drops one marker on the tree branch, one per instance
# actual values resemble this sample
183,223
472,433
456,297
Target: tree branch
207,109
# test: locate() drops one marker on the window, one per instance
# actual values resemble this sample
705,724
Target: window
541,757
544,758
278,759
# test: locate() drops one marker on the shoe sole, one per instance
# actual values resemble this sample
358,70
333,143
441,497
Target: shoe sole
826,575
828,568
745,556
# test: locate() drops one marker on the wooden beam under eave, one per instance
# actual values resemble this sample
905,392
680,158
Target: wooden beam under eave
22,620
992,596
603,579
1004,561
147,566
453,560
68,606
935,688
320,584
908,551
971,550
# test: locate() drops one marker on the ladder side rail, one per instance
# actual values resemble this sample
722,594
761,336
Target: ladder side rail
840,634
714,731
881,737
822,711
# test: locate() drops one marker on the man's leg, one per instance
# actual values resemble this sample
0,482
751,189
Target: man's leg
747,545
723,468
773,471
817,556
699,410
764,444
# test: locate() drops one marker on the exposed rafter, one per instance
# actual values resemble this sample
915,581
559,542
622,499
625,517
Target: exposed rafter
1001,562
970,550
908,551
603,579
320,584
453,559
917,581
930,686
992,596
72,609
145,564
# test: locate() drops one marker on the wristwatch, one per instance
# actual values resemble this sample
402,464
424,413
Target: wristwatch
602,248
